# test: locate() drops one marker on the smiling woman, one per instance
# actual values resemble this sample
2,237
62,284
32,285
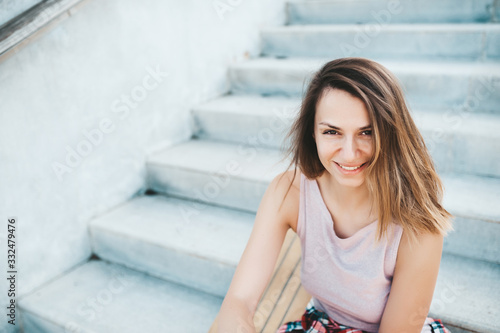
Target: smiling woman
399,174
345,149
366,206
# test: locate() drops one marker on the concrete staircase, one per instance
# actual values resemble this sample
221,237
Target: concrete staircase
165,260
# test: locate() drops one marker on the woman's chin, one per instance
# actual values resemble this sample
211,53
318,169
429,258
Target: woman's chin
347,180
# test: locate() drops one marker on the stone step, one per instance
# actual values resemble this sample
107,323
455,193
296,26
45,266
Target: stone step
462,86
384,12
218,173
455,141
103,297
186,242
177,171
245,118
472,201
466,295
396,41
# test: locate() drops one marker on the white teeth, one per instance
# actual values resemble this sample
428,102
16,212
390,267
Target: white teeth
350,168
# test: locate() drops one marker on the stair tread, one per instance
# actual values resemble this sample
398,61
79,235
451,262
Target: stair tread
362,11
301,64
472,196
248,104
465,195
467,293
168,222
211,157
474,42
124,301
395,27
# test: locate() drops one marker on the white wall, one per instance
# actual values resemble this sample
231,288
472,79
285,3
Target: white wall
72,79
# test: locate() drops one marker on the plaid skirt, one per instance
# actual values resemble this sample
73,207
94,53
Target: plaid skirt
315,321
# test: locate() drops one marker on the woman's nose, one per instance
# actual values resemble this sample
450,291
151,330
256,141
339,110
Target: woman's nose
349,149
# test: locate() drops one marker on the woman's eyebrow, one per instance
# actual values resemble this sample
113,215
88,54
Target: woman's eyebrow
338,128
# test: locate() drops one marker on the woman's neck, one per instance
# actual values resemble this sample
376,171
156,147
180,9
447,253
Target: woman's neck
347,198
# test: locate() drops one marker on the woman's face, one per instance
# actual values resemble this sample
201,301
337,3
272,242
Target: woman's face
343,135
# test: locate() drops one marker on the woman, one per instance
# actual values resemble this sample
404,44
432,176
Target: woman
365,201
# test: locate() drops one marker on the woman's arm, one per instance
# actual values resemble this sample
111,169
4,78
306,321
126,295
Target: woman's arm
413,284
258,260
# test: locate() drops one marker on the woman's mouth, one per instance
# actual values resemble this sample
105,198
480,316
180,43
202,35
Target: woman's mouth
350,169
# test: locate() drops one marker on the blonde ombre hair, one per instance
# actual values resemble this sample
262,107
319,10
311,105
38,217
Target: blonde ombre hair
401,176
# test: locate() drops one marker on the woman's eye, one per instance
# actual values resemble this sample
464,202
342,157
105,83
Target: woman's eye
330,132
368,132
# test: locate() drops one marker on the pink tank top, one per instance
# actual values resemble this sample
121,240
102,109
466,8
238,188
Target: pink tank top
348,278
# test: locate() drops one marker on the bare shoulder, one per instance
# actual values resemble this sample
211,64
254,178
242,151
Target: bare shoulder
285,190
426,244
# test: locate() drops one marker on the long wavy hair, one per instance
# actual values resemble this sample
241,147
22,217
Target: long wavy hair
400,176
